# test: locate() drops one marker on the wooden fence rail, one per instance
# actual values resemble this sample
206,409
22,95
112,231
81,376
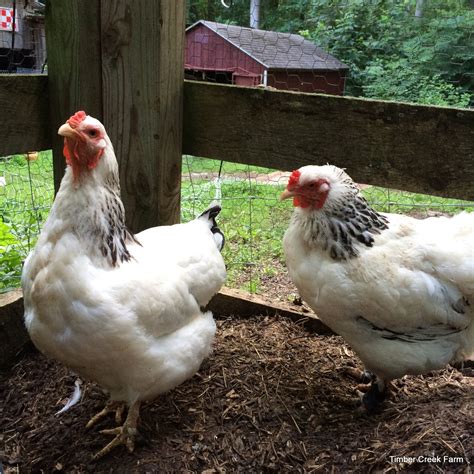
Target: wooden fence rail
409,147
24,113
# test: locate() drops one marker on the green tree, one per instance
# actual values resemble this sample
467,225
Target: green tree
394,55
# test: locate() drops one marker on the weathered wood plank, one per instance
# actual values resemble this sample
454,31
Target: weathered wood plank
410,147
230,302
142,66
416,148
13,334
74,67
24,113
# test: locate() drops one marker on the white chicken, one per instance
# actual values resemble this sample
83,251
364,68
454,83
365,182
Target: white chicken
122,310
398,289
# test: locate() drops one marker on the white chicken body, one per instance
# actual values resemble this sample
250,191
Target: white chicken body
404,300
397,287
121,311
137,329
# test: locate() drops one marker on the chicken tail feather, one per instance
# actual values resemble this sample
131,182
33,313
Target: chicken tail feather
209,216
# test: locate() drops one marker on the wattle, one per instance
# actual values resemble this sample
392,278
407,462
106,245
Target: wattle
78,158
317,202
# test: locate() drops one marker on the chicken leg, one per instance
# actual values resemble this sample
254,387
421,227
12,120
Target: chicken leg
124,434
110,407
374,396
363,376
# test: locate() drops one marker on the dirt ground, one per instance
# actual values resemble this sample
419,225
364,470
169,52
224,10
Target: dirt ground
271,398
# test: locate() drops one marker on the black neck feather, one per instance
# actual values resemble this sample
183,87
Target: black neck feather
342,230
110,229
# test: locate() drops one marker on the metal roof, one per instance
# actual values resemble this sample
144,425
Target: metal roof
273,49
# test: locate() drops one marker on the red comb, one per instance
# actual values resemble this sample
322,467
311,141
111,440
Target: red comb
294,178
76,119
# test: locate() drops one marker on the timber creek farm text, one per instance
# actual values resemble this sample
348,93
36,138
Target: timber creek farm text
428,459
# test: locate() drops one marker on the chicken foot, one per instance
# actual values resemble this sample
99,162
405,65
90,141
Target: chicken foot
111,407
466,367
125,434
374,396
363,376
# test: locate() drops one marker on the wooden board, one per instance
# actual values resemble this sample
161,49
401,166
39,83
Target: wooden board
24,109
410,147
142,71
13,335
230,302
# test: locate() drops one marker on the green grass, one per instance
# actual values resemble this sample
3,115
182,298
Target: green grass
403,202
195,164
253,219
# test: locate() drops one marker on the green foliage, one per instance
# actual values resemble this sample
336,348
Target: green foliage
393,55
358,31
398,81
253,221
444,46
23,208
213,10
10,257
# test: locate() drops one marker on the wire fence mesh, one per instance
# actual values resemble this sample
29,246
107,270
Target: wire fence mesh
26,196
377,49
254,219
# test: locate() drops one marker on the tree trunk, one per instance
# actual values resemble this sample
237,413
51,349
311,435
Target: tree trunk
254,13
419,9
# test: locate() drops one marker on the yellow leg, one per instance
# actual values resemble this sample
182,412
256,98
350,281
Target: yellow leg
125,434
111,407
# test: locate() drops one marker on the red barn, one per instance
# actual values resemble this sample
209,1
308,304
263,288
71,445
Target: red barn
245,56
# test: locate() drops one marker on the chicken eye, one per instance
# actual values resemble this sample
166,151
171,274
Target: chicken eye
92,132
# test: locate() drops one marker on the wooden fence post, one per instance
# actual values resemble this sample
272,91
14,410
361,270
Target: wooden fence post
122,61
74,67
142,76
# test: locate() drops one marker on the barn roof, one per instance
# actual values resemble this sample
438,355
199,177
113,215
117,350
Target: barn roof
273,49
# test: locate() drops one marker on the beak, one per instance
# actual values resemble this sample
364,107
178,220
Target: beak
67,131
286,194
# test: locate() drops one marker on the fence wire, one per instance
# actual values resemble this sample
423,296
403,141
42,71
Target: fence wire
254,219
26,196
379,49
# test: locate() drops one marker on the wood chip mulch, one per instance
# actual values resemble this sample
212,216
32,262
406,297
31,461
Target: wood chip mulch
271,398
